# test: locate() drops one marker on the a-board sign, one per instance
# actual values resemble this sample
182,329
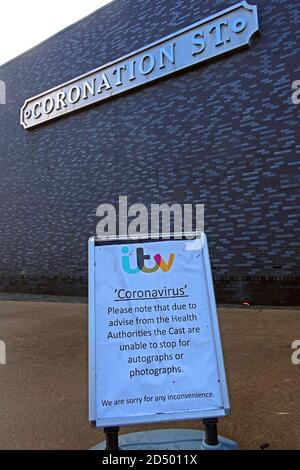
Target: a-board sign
155,351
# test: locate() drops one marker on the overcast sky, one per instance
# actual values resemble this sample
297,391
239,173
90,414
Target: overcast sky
25,23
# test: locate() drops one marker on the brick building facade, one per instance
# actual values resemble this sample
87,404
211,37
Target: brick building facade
224,134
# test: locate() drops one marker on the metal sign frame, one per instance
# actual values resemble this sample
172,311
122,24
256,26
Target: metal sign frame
95,242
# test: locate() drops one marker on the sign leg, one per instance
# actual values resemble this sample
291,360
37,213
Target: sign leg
112,438
211,431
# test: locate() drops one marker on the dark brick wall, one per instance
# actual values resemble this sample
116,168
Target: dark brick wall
225,134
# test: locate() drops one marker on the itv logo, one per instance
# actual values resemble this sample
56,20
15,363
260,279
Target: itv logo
141,257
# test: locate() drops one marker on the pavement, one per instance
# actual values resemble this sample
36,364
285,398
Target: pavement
43,386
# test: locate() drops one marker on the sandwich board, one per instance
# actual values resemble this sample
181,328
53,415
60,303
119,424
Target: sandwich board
155,352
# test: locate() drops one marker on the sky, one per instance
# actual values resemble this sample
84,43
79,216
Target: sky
26,23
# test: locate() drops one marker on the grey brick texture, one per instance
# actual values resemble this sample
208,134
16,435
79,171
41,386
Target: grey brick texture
224,134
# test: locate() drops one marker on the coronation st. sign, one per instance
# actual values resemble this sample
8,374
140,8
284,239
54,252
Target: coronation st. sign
226,31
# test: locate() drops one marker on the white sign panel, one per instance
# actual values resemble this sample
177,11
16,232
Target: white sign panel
155,349
226,31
